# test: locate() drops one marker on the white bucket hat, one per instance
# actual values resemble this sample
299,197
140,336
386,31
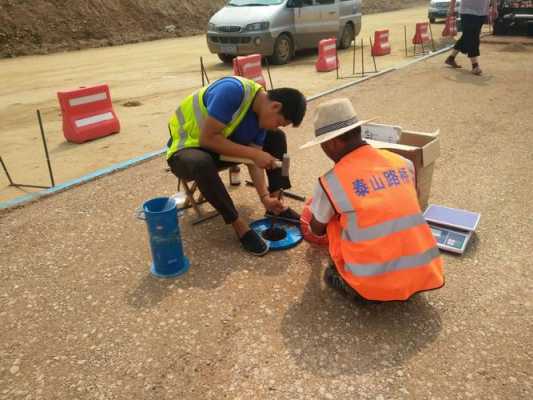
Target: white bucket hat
332,119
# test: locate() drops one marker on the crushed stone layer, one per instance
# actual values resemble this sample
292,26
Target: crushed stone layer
82,318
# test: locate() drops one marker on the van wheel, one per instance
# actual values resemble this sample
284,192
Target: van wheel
226,58
347,37
283,49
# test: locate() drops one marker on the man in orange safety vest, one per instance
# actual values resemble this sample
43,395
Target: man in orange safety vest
366,209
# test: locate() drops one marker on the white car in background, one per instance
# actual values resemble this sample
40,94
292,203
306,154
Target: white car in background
439,9
278,28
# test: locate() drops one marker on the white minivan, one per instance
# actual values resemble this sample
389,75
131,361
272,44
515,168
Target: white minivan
278,28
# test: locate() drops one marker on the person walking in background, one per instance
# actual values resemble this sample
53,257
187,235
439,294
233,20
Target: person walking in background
473,15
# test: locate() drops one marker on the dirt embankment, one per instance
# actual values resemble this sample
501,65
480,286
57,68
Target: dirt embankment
44,26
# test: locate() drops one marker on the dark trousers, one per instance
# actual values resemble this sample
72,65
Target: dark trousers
202,166
468,43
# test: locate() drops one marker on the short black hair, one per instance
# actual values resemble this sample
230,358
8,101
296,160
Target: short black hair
352,134
293,103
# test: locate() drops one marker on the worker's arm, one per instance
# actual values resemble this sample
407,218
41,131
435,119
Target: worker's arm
317,228
211,138
257,174
315,217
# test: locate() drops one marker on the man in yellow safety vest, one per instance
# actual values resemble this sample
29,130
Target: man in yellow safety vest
235,117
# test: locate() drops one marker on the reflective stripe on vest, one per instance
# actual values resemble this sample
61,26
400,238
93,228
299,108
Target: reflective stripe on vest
193,110
372,241
198,115
404,262
356,234
247,98
182,133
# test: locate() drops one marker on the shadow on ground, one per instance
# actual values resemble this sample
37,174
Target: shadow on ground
329,335
212,272
464,76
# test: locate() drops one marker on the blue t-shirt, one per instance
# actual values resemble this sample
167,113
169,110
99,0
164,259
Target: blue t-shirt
222,99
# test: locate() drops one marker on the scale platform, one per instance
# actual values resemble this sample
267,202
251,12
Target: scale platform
451,227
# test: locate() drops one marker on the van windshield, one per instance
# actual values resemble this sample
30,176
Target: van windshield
252,3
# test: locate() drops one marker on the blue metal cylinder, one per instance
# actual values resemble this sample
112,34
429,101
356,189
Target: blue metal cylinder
161,217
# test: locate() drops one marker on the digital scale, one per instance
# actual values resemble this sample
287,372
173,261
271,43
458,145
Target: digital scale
451,227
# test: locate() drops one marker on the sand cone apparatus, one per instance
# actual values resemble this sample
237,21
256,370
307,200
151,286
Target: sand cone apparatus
381,46
327,55
450,28
249,67
282,236
161,216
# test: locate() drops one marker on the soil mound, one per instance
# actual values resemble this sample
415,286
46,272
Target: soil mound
44,26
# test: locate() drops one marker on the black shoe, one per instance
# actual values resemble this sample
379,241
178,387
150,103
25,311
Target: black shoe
289,215
451,62
254,244
476,70
334,280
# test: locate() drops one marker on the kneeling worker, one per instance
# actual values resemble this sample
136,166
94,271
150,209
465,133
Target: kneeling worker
367,208
235,117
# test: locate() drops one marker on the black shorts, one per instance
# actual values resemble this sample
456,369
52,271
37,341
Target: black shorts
468,43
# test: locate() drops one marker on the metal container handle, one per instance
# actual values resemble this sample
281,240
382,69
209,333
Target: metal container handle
139,214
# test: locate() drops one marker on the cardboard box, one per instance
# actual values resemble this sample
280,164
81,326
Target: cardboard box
421,148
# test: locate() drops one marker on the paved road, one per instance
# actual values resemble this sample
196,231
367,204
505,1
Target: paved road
82,318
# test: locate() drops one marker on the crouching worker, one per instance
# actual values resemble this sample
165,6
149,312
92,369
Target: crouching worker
235,117
366,211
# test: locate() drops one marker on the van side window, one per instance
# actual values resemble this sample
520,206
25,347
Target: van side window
307,3
325,1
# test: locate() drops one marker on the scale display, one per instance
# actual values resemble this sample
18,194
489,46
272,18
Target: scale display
450,240
452,228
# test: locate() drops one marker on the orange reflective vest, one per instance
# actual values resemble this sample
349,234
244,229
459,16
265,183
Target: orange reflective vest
379,240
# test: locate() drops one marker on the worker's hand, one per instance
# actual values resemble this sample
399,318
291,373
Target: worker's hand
305,225
272,204
264,160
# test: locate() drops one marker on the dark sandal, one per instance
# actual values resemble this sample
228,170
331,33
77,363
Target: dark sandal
335,281
254,244
451,62
477,71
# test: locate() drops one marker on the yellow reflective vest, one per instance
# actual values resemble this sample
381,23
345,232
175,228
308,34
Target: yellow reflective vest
186,123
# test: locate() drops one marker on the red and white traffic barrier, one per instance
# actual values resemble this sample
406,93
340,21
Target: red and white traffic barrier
87,113
450,28
381,44
422,33
327,55
249,67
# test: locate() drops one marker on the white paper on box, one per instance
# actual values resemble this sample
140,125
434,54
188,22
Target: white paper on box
382,133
